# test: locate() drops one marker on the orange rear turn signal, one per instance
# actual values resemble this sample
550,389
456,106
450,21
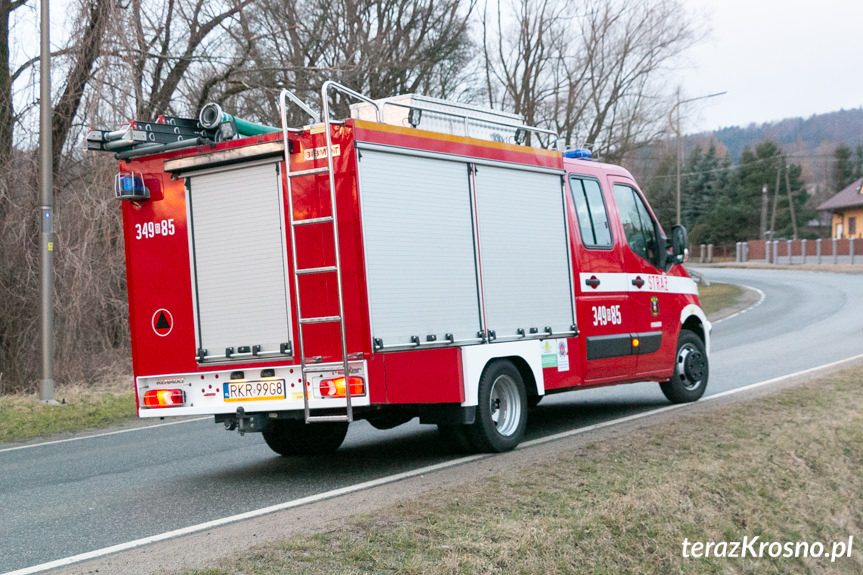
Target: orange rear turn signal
164,398
336,387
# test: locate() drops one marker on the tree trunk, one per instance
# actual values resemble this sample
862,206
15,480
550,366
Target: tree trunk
7,111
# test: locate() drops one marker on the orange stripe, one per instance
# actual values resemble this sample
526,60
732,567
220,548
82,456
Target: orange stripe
377,127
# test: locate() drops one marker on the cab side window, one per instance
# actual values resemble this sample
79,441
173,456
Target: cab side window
592,213
639,227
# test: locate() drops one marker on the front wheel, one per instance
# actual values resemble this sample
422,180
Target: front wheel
691,370
501,412
295,437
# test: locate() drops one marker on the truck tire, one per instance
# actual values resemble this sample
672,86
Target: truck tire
691,370
501,412
295,437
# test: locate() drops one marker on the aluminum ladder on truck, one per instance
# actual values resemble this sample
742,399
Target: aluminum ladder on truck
336,269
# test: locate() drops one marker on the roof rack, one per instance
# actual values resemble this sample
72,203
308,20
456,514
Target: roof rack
453,118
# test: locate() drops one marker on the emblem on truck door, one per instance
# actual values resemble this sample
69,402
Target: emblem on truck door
654,306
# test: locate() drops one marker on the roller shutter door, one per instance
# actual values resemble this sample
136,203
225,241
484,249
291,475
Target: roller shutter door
238,247
523,248
419,248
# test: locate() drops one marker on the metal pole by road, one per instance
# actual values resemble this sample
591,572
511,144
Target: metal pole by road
676,131
46,213
790,203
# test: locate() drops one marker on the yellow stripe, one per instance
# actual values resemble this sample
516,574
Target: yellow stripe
377,127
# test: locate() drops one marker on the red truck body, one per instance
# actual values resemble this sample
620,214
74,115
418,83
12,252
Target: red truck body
456,254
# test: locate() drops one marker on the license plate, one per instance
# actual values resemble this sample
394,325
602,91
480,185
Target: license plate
254,390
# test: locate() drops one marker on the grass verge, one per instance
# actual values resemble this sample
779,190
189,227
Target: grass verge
718,296
787,467
24,416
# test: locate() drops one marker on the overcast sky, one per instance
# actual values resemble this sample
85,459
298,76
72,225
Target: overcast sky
775,58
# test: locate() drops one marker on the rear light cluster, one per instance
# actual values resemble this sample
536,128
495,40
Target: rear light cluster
335,387
164,398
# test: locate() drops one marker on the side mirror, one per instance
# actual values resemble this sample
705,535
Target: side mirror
679,245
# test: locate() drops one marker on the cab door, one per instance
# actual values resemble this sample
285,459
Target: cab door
602,298
656,309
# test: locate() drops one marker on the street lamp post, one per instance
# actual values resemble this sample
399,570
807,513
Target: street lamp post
46,213
676,108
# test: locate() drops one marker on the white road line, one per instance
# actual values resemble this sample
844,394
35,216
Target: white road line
106,434
761,297
400,476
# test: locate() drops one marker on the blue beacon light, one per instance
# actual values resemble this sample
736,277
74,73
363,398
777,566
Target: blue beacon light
582,153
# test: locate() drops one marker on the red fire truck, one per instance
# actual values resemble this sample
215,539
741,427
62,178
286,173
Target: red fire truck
420,259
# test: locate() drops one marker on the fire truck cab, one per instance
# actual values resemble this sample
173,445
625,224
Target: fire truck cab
421,258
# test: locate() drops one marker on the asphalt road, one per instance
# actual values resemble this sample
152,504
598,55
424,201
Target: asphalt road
69,498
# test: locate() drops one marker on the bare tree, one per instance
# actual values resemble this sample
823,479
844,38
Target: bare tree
169,42
592,71
378,47
522,58
83,53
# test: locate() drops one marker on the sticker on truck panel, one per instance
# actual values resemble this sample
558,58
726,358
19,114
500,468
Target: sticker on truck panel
318,153
555,353
163,322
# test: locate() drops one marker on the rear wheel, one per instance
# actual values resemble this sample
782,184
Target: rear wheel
501,413
691,370
295,437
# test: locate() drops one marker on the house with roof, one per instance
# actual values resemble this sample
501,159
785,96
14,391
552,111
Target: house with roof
847,210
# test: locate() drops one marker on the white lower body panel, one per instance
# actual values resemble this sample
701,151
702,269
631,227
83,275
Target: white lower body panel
476,357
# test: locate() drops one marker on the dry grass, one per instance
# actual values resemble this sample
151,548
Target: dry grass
788,467
717,296
23,416
90,311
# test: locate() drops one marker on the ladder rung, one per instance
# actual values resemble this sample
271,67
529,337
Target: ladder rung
323,319
321,418
311,172
309,221
307,271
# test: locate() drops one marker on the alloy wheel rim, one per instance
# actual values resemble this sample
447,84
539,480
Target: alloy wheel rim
505,405
690,366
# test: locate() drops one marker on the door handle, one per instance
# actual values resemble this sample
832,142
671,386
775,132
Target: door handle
638,282
592,281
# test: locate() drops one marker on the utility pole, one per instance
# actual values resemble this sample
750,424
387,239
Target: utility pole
762,230
46,213
775,203
790,203
679,154
676,131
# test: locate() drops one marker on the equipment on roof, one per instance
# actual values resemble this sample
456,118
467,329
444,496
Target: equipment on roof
171,133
